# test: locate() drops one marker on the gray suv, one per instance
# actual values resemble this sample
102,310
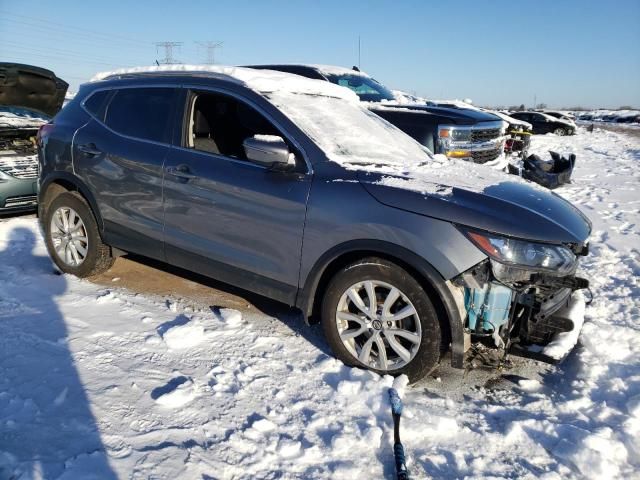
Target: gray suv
289,188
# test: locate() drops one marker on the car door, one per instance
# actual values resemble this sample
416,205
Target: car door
541,123
119,154
224,216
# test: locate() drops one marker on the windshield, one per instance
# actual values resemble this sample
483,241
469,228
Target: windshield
367,89
348,133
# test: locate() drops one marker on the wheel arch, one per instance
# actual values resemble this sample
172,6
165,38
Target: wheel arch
65,182
309,298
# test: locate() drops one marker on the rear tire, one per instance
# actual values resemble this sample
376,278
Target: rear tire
400,335
72,237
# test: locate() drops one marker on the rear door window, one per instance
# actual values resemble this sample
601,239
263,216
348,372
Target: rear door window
144,113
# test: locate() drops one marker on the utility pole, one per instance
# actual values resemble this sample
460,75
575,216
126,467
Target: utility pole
535,101
211,50
168,52
359,64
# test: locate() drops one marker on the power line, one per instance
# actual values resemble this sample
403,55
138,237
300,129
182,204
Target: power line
168,52
51,36
69,53
58,58
210,46
48,24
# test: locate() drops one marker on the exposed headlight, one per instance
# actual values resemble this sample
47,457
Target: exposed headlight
533,256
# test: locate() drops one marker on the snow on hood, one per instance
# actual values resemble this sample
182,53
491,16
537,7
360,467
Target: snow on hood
405,98
439,176
511,120
14,117
261,81
556,119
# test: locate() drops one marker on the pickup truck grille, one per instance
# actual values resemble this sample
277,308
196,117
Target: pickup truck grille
485,135
19,167
484,156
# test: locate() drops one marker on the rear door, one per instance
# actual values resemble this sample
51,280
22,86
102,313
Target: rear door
120,154
227,217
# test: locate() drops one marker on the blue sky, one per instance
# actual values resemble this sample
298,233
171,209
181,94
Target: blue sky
566,53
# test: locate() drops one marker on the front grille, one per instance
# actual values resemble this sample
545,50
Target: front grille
21,201
20,167
485,135
484,156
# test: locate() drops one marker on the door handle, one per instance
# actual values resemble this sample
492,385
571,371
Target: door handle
89,149
181,171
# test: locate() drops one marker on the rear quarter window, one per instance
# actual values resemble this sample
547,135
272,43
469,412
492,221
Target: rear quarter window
95,103
144,113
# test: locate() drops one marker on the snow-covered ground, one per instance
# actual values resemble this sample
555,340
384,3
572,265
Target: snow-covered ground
105,383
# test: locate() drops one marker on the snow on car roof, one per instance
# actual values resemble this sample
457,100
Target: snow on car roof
334,70
261,81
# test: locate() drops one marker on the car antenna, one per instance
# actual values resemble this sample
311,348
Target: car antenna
355,68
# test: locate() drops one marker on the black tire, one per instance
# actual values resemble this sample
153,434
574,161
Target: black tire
98,258
561,132
428,353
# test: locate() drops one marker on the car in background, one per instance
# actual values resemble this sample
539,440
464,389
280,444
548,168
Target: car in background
561,115
457,132
292,189
543,123
29,97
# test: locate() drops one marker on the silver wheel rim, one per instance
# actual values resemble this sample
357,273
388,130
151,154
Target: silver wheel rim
69,236
559,131
378,325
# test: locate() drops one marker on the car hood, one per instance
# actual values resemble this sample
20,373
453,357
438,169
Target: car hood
568,123
35,88
466,194
456,114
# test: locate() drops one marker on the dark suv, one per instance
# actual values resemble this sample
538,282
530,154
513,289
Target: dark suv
290,188
543,123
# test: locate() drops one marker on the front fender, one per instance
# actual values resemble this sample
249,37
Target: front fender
305,300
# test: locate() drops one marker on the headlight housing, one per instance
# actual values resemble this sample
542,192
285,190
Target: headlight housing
533,256
455,134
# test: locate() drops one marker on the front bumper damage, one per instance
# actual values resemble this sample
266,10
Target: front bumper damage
561,343
539,317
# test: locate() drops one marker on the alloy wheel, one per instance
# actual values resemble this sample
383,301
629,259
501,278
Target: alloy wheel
378,325
69,236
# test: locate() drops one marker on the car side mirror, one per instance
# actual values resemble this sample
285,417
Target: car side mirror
269,151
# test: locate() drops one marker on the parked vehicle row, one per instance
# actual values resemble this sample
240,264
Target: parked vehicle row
624,117
294,189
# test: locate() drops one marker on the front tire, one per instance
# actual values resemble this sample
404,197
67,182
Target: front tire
72,237
561,132
375,315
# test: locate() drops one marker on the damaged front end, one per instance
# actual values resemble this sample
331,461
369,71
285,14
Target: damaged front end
525,298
